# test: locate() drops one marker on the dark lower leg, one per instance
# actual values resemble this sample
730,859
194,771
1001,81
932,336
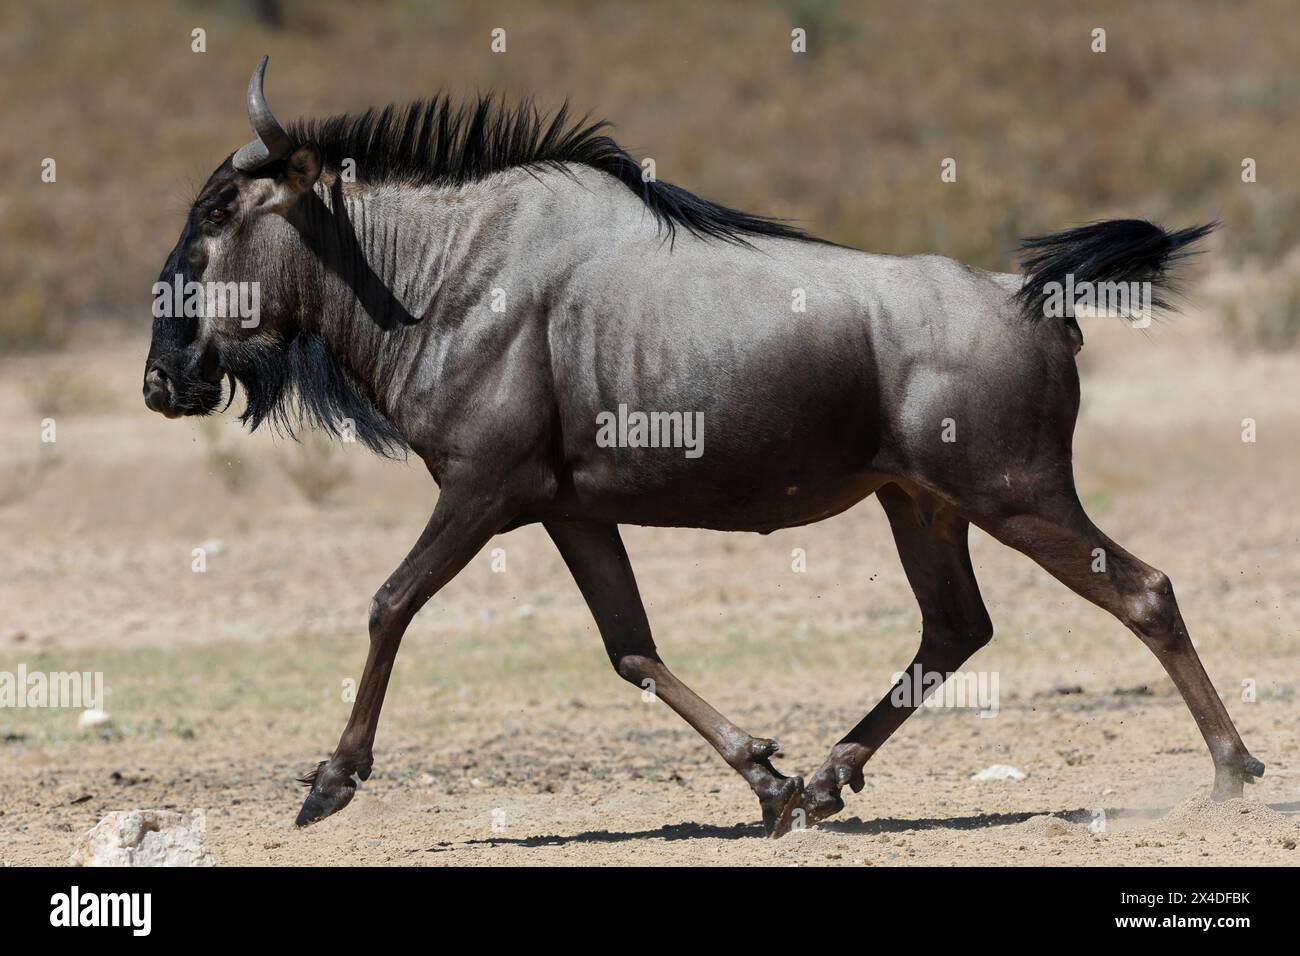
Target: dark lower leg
844,765
932,545
1233,764
595,555
749,756
332,782
453,535
1074,551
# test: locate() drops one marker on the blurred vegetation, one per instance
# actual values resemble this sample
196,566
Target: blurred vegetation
316,468
847,138
222,458
1267,318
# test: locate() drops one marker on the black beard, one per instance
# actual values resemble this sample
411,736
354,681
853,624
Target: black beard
289,384
198,397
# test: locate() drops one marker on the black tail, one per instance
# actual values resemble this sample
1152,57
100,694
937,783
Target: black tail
1116,250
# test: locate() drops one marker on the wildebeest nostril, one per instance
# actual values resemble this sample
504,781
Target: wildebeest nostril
157,392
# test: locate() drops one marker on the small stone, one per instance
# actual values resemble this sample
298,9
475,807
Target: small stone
94,719
999,771
145,838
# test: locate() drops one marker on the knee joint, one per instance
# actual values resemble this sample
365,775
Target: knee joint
1150,610
383,613
961,639
633,668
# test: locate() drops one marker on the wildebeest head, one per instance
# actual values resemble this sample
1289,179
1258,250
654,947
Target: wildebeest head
223,303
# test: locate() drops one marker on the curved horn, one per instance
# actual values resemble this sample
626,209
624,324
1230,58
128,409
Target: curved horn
272,141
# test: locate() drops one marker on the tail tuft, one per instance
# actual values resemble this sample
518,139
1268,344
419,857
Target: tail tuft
1115,250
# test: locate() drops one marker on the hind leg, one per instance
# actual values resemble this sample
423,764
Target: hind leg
1057,534
600,566
931,540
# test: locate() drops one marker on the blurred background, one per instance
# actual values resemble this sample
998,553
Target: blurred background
226,680
847,137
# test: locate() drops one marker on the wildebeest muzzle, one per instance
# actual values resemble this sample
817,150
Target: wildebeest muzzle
184,382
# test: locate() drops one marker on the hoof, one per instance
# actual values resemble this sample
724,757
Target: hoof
821,804
779,807
1231,783
330,793
821,800
318,806
822,797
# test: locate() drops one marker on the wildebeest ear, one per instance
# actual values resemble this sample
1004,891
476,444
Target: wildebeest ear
302,169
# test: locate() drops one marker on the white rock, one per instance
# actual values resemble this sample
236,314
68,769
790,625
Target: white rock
94,719
999,771
145,838
213,547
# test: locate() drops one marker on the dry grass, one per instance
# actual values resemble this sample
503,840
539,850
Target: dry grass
848,137
223,460
316,468
21,479
1268,320
64,391
1258,304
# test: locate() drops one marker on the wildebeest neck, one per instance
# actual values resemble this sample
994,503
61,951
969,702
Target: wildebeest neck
398,270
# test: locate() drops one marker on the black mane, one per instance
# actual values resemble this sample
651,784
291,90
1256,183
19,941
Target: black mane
433,142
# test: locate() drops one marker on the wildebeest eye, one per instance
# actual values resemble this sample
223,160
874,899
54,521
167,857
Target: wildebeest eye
216,215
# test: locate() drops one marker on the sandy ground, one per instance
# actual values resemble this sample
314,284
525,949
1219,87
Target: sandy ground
507,738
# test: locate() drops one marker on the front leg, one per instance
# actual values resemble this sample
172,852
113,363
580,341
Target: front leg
461,524
595,555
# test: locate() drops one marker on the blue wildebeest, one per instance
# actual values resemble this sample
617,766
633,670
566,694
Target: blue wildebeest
377,295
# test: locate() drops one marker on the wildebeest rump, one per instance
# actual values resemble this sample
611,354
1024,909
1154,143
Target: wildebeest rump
489,282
